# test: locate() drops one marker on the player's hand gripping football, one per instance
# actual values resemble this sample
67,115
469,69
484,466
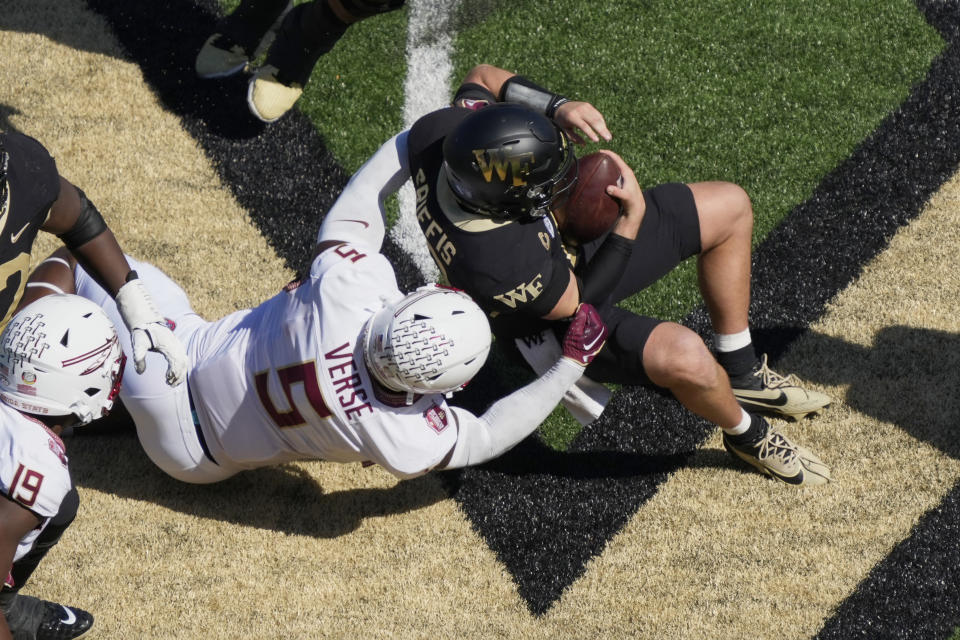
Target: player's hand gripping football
630,195
149,331
586,335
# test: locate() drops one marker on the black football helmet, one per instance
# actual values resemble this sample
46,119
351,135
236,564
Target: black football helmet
506,161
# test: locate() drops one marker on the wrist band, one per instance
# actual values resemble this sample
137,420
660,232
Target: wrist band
519,90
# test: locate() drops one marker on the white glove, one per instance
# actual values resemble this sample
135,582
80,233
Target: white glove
149,331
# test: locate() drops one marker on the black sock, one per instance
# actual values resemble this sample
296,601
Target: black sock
307,32
755,432
250,21
738,363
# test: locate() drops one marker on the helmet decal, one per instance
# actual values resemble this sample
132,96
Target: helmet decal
517,165
97,355
507,161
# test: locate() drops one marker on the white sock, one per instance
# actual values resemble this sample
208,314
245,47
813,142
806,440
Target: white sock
724,342
741,427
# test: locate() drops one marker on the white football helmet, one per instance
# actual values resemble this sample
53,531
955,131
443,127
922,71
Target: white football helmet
60,355
433,340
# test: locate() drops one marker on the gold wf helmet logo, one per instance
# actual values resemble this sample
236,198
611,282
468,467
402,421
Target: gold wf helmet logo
516,165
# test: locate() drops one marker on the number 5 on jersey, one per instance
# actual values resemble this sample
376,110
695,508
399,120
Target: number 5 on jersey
305,374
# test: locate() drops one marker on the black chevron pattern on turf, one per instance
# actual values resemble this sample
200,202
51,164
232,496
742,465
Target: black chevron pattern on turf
546,514
914,592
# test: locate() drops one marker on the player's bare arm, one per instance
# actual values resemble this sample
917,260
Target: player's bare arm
76,221
569,301
54,274
101,252
15,523
572,116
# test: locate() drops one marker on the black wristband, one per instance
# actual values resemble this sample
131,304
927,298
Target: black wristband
603,272
519,90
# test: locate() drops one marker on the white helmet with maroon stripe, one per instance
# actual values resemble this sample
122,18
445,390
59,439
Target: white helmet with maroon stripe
59,356
433,340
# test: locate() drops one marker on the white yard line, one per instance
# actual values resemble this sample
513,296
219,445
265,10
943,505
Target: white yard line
427,87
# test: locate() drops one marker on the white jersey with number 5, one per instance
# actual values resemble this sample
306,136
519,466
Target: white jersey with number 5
287,380
33,470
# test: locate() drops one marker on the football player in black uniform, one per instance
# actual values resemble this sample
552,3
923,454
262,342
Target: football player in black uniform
34,197
491,172
305,33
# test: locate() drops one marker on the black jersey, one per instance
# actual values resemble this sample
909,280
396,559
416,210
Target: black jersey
33,185
516,271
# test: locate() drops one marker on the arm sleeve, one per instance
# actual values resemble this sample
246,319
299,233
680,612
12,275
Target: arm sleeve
358,215
603,272
513,418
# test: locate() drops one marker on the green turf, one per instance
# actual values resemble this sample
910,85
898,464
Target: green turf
955,635
671,81
355,95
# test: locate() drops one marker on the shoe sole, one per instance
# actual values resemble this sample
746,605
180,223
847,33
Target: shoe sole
224,74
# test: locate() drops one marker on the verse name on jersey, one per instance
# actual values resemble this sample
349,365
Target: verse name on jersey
346,381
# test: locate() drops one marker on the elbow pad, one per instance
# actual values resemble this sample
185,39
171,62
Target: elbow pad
603,272
88,226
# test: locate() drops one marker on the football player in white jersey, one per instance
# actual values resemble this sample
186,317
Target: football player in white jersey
60,366
339,366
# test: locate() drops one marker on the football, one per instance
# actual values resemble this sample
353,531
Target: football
590,212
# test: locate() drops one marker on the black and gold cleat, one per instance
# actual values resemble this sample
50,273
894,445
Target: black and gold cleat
763,390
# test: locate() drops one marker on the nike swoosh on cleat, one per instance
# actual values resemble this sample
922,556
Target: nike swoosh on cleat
16,236
745,395
363,222
797,479
71,617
